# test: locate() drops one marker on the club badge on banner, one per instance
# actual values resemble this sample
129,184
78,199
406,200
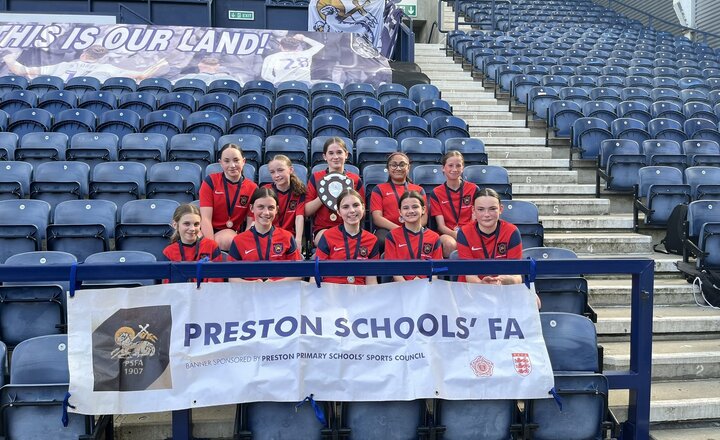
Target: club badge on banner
173,346
364,17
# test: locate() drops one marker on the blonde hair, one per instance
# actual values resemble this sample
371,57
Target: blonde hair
296,186
180,211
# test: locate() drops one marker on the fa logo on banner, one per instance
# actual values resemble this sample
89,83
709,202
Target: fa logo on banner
133,345
523,366
482,367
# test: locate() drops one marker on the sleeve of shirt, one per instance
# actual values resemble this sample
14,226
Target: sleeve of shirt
234,253
360,188
437,253
390,248
165,254
376,200
206,193
323,249
300,210
463,248
216,255
375,253
293,252
311,190
434,205
515,246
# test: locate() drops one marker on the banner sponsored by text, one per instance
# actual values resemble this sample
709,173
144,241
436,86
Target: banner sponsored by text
172,346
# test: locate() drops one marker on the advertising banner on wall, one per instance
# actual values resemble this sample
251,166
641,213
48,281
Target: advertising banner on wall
173,346
174,53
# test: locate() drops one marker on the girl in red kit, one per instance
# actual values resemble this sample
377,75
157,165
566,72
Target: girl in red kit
411,241
451,202
186,243
335,153
291,196
349,241
263,241
385,197
225,198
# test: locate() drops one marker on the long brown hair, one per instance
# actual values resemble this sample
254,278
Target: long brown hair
180,211
296,186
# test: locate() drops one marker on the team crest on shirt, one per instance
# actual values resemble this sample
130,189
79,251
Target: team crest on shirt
466,200
427,248
243,200
502,248
363,251
278,248
293,205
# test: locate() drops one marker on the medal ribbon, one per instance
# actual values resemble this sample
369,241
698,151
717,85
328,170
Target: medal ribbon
196,246
494,248
281,222
231,205
409,246
256,236
456,214
347,245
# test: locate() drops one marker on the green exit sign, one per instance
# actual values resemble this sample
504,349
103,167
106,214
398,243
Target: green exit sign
241,15
409,7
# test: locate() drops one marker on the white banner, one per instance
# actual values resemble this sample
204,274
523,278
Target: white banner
172,346
363,17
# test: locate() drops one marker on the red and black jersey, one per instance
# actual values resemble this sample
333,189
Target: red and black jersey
385,197
336,244
321,219
289,206
454,205
275,245
224,196
404,244
203,247
503,244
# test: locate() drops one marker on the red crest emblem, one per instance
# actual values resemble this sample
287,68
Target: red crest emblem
482,367
243,200
502,248
427,249
466,200
363,251
278,248
293,205
522,363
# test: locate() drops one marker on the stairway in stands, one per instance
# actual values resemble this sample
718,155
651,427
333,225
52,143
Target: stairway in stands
686,350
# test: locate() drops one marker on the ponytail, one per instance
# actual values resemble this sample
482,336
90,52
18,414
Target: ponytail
297,187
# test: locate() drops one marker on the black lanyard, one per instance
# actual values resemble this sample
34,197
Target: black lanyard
409,246
397,196
456,214
347,244
281,222
196,246
256,236
482,242
231,205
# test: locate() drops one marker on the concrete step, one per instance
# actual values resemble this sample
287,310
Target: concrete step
434,68
483,132
600,243
461,106
490,123
675,401
613,293
531,141
664,265
543,176
687,433
461,93
500,153
473,117
667,320
524,189
215,422
587,222
672,360
569,206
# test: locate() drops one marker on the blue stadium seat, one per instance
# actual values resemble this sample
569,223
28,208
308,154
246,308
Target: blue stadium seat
98,102
139,102
703,229
9,83
428,176
330,125
600,109
664,128
703,129
422,150
659,190
22,226
636,94
421,92
539,99
563,294
369,150
181,102
571,341
664,152
57,100
390,91
166,122
504,75
217,102
118,257
291,103
15,180
194,87
44,83
145,226
373,175
548,253
316,149
82,84
561,117
262,87
249,123
264,174
41,258
119,122
691,95
119,182
292,88
292,146
82,227
700,110
196,148
618,164
36,148
363,106
30,120
289,124
388,420
587,134
328,105
433,108
708,245
701,152
526,217
354,90
206,122
156,86
74,121
476,419
178,181
490,176
409,126
4,118
444,128
635,110
40,360
472,149
574,94
58,181
629,128
704,182
274,420
16,100
93,148
251,146
146,148
605,94
119,85
398,107
322,89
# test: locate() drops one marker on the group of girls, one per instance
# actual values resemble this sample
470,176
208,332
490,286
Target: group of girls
267,224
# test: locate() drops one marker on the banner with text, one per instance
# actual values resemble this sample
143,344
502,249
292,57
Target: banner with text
172,346
364,17
174,52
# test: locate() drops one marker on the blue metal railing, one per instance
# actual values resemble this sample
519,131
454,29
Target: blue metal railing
636,379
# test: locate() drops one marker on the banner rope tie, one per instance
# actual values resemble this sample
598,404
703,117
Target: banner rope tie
556,396
319,414
198,272
66,403
73,278
530,278
318,280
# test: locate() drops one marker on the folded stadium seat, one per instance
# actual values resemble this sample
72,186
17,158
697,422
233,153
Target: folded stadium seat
390,420
250,144
145,226
292,103
571,341
637,95
537,71
600,109
323,89
115,258
635,110
330,125
4,118
666,83
618,62
118,182
664,128
9,83
561,117
562,294
146,148
664,152
264,177
58,181
394,108
711,72
293,88
196,148
696,128
93,148
430,109
504,75
409,126
227,86
250,123
22,226
420,92
15,180
165,122
358,105
388,91
479,57
29,120
520,85
155,86
690,95
82,227
119,85
704,182
56,101
701,152
641,71
98,102
618,164
666,72
316,149
472,149
178,181
370,150
545,61
465,419
618,71
587,134
328,105
700,110
41,258
490,176
289,124
45,83
584,82
293,146
549,253
703,227
539,100
666,95
690,72
526,217
444,128
181,102
119,122
362,90
273,420
36,148
422,150
605,94
195,87
207,122
249,172
217,102
139,102
373,175
262,87
714,84
659,190
574,94
82,84
667,109
73,121
693,83
629,128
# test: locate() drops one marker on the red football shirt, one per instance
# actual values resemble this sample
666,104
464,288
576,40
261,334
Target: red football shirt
321,219
454,205
403,244
275,245
503,244
336,244
385,197
203,247
289,207
223,196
